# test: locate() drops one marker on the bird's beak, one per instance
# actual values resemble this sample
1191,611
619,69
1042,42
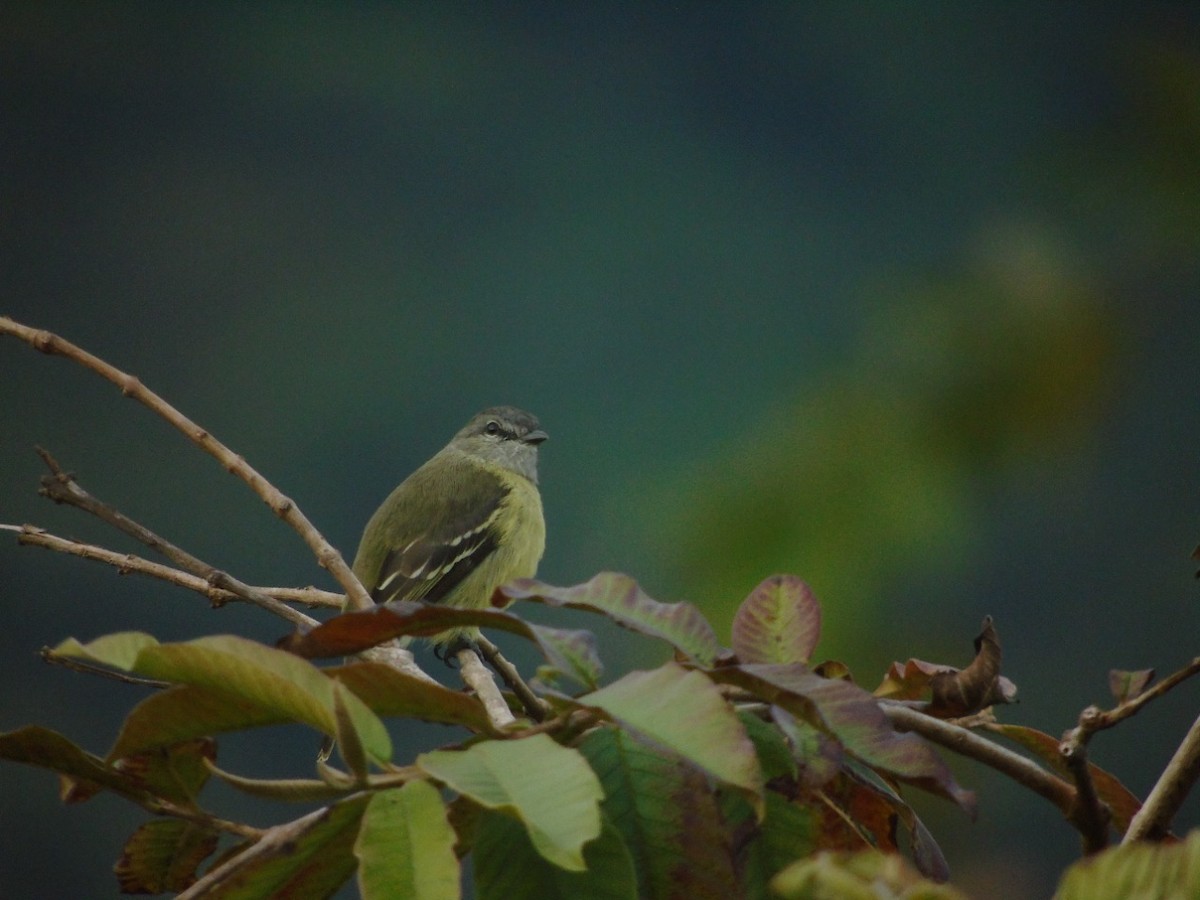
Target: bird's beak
535,437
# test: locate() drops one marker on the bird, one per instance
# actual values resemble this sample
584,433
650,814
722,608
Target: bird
466,522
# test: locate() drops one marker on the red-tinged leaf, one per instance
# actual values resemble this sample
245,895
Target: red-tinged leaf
779,622
705,865
572,652
1121,802
353,632
926,853
163,856
852,716
619,597
684,711
1128,685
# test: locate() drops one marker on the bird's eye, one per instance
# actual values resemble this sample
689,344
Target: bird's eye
492,427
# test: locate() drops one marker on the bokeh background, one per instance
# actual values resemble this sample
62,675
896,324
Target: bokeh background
898,297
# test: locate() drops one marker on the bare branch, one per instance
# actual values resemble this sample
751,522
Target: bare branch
966,743
399,658
1153,820
327,556
61,487
127,563
1088,813
275,841
480,680
537,708
1101,720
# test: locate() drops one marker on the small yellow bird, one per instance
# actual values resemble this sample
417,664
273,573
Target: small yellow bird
466,522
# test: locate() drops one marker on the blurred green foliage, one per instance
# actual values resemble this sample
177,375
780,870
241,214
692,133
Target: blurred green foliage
873,467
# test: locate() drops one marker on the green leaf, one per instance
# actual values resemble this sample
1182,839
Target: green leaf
37,746
684,711
819,754
163,855
774,754
641,784
571,652
619,597
309,857
1142,870
789,832
779,622
852,716
288,790
549,788
175,773
184,712
264,677
389,692
349,742
668,814
405,847
1120,800
866,875
118,650
508,867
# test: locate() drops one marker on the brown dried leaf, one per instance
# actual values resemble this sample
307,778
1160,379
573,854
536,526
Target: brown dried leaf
976,687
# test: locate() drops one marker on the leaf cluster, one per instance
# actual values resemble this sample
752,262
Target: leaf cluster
710,775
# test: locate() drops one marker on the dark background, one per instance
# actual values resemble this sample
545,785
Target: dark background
900,298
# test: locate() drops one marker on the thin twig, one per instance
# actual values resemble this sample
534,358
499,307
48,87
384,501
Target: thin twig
284,507
200,817
1089,814
969,744
1153,820
537,708
61,487
127,563
1132,706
